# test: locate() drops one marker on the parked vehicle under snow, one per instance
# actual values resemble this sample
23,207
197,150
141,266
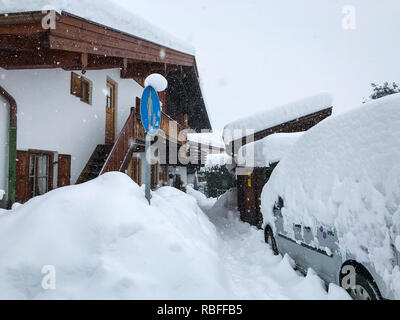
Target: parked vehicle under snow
334,200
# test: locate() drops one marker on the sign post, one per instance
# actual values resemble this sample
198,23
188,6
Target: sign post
150,111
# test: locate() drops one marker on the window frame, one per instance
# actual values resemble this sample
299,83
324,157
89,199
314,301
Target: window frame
50,171
85,95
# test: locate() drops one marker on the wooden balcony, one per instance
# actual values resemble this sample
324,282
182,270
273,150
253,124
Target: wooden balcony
132,137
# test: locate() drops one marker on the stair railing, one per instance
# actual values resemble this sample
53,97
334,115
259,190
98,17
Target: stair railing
131,131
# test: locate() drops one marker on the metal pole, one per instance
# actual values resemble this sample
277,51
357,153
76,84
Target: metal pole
148,168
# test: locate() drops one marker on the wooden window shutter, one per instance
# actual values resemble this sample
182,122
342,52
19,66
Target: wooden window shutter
22,181
76,85
64,170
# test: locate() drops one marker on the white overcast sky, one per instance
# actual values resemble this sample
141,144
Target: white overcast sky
256,54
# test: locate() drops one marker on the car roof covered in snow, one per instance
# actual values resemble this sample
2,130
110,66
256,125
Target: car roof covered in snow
344,175
104,12
276,116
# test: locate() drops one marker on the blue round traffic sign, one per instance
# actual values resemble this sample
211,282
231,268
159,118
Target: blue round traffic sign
150,110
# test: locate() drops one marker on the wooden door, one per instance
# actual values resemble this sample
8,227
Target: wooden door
64,170
135,170
110,112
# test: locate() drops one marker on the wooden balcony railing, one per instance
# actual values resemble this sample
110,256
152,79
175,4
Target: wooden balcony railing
133,132
172,128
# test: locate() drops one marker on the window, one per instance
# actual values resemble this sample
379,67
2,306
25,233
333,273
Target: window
81,88
40,173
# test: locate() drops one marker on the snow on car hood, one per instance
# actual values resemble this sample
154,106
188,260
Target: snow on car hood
345,173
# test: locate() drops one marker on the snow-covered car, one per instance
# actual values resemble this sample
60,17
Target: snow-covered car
333,202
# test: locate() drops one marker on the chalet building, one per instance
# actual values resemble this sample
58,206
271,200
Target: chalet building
255,156
70,97
200,147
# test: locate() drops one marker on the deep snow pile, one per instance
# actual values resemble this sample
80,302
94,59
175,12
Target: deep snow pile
345,172
105,12
276,116
203,202
254,271
264,152
105,241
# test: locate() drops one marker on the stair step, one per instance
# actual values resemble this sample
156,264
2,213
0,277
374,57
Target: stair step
95,163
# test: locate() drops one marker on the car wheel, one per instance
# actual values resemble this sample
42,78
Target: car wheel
270,239
364,289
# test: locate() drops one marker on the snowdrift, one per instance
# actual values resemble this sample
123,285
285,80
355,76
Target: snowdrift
345,172
106,242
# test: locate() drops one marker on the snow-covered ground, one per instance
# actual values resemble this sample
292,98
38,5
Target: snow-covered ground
103,240
253,271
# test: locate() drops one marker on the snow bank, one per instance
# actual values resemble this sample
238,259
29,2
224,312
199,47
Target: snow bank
345,172
157,81
105,241
266,151
105,12
276,116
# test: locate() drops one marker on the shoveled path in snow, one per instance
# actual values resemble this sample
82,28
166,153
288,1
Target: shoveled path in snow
252,270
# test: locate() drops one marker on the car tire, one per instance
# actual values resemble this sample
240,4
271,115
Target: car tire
365,288
270,239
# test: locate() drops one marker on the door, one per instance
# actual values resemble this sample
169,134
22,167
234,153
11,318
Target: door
64,170
110,112
21,187
289,241
322,252
135,170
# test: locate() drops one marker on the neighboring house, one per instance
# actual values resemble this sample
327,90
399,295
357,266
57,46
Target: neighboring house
69,103
255,155
201,146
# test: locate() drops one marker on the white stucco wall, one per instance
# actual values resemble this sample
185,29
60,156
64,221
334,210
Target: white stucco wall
50,118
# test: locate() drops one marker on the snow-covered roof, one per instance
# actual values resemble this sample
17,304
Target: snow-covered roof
105,12
268,150
217,159
207,138
276,116
344,174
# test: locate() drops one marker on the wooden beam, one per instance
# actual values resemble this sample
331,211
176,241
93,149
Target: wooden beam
84,62
21,29
40,59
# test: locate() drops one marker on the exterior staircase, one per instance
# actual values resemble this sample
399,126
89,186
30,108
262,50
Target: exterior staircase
116,157
95,163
